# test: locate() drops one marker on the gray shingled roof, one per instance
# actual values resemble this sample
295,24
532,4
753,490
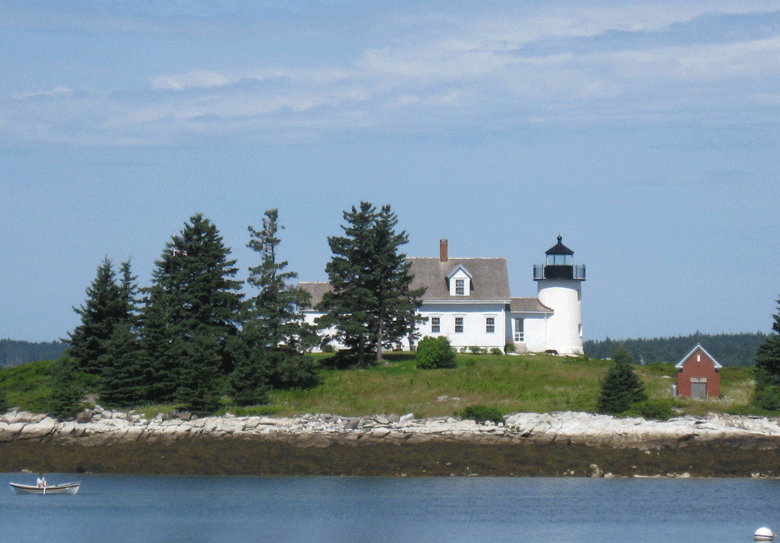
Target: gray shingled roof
317,291
529,305
490,279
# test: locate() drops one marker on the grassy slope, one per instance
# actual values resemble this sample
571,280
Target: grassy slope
536,383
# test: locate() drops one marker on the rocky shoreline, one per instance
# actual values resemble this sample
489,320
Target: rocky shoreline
559,444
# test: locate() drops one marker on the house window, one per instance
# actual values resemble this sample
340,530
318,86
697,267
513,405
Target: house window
519,330
460,287
458,325
490,325
435,325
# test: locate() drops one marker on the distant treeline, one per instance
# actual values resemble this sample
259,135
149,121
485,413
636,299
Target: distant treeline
14,353
728,349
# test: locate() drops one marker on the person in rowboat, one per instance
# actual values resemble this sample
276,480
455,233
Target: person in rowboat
41,481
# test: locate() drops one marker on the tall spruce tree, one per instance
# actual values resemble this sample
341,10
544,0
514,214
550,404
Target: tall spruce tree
128,293
274,330
191,311
276,311
122,381
767,393
621,387
103,310
395,313
370,304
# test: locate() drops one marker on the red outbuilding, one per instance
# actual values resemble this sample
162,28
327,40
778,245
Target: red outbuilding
698,375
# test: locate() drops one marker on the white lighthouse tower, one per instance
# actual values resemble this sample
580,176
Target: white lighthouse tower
559,287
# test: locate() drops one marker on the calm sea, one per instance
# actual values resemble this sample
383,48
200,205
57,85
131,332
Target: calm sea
393,510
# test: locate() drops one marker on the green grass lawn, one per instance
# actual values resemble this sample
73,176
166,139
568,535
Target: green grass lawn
532,383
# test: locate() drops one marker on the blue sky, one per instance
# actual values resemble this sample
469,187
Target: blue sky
645,133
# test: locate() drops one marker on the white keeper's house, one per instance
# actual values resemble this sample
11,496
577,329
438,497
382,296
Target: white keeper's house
468,300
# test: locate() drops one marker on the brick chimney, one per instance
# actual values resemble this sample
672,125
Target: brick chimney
443,250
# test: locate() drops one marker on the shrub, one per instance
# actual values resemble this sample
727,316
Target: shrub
621,387
509,348
768,398
251,411
435,353
342,360
476,350
496,351
652,409
293,371
481,413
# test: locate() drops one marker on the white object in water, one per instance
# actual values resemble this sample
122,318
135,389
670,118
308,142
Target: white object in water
68,488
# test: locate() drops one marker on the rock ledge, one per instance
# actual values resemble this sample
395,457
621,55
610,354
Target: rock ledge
100,426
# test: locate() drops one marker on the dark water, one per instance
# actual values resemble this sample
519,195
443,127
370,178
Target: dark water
388,510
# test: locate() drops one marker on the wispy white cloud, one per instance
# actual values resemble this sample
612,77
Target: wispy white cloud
57,92
193,79
446,69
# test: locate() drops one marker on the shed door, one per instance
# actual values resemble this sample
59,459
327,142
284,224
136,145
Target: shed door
699,391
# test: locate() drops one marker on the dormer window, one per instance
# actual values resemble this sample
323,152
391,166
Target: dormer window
459,281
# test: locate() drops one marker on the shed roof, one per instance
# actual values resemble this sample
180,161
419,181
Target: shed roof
529,305
702,349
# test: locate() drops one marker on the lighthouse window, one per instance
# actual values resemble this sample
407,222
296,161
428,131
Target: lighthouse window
490,325
460,287
435,325
458,325
559,260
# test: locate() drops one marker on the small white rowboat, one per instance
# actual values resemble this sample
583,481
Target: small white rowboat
67,488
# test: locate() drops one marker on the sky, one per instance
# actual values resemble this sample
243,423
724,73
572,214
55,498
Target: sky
644,133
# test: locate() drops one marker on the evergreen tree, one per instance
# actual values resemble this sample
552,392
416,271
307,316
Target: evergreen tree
198,382
276,311
621,387
128,293
65,386
191,311
395,315
251,373
102,311
274,330
768,368
370,303
122,383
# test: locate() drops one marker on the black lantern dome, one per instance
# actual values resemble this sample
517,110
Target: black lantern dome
558,264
